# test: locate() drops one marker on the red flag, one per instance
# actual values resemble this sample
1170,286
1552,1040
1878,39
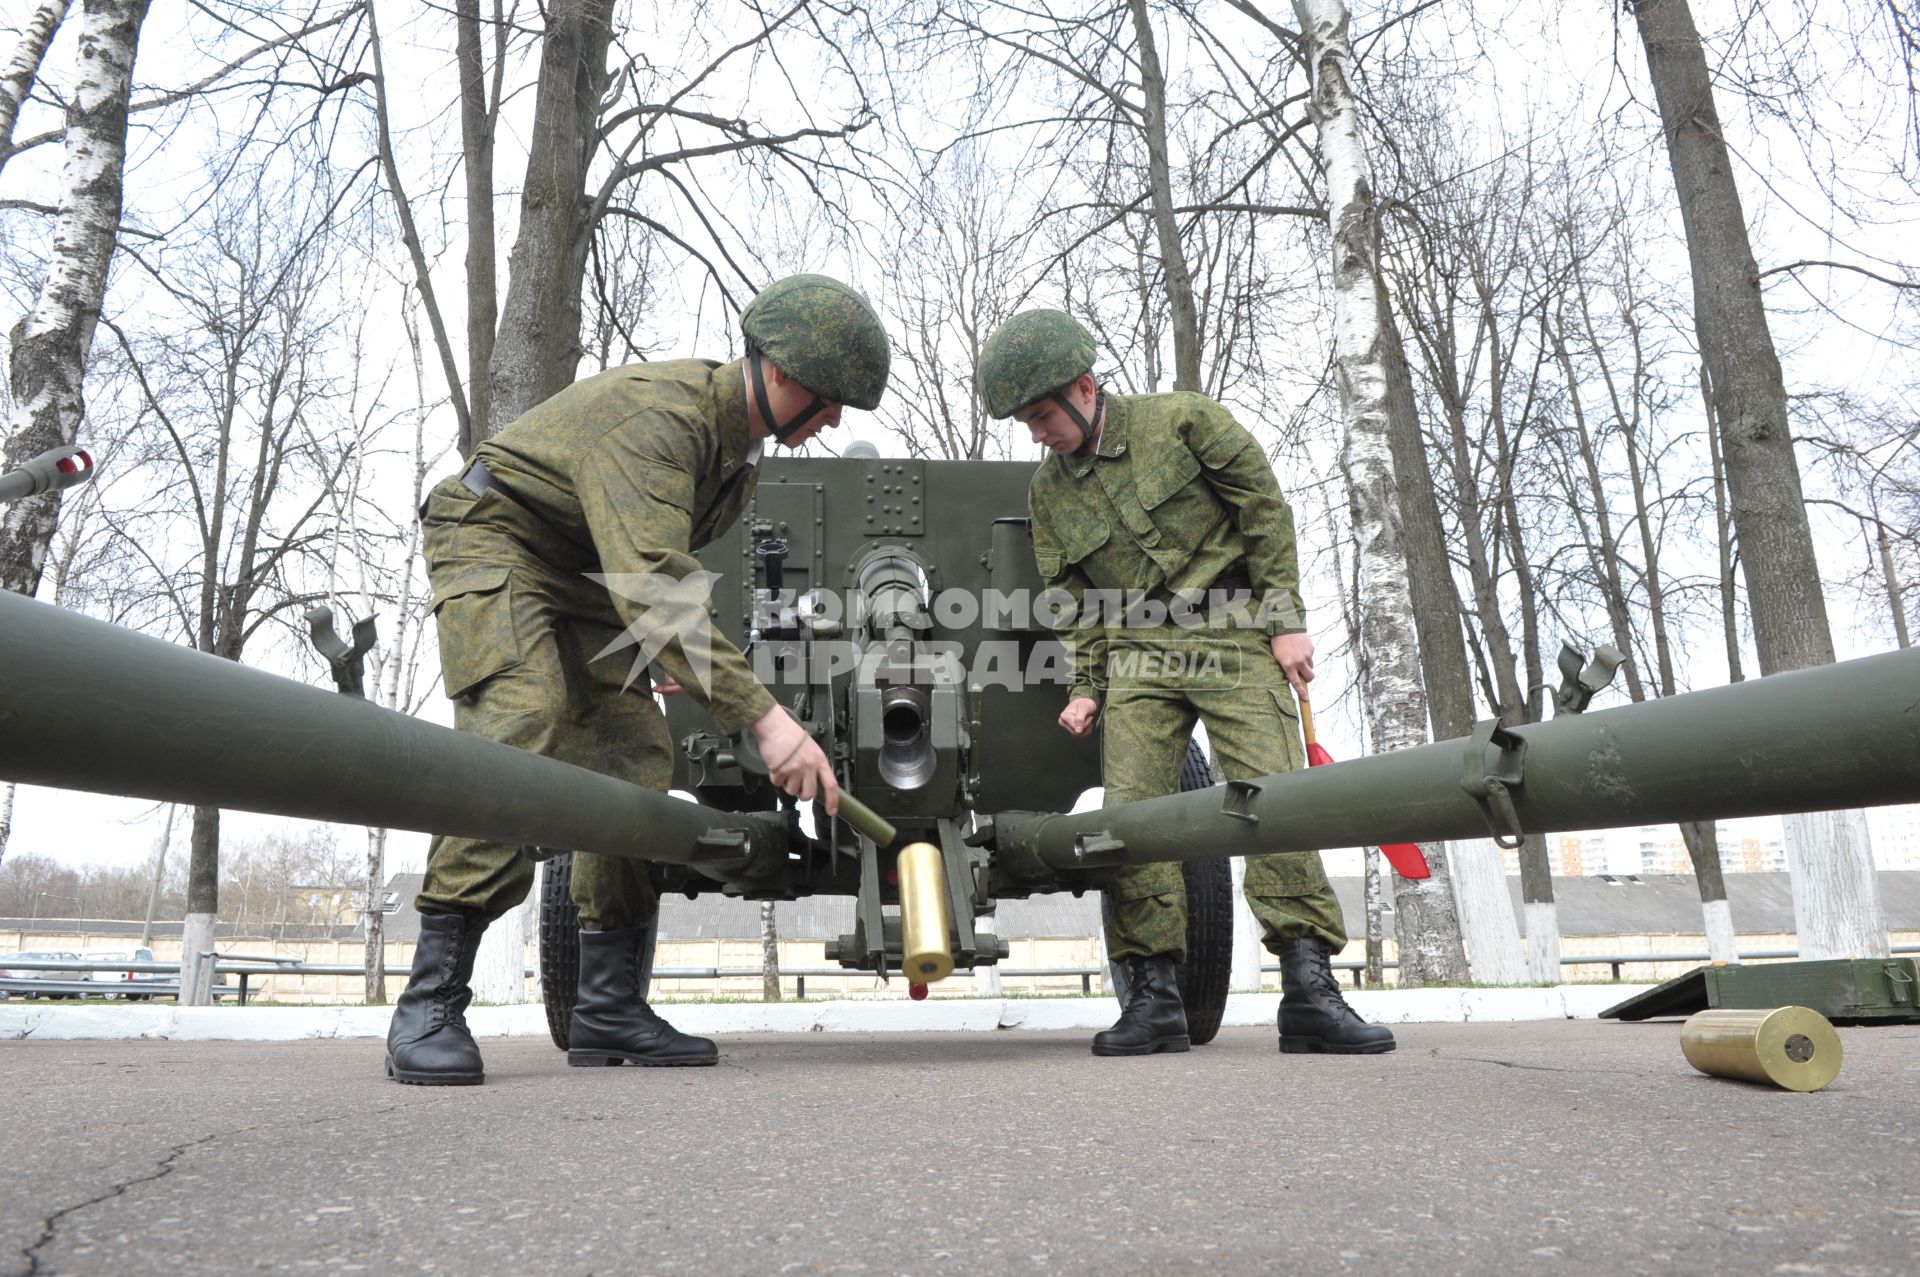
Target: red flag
1405,857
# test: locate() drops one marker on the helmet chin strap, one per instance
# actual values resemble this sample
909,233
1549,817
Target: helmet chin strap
781,431
1086,427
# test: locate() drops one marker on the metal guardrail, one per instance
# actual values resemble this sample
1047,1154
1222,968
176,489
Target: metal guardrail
244,967
1615,961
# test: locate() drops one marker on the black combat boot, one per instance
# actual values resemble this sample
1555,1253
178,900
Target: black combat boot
1154,1018
612,1023
1313,1015
427,1041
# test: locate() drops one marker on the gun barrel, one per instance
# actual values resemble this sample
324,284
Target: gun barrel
92,706
62,467
1840,736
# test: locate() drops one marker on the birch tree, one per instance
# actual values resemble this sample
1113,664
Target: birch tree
1426,920
1836,893
50,345
23,67
769,953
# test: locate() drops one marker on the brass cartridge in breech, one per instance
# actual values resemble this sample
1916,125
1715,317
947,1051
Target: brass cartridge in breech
925,929
1790,1047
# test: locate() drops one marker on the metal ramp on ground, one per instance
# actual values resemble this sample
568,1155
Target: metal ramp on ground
1855,990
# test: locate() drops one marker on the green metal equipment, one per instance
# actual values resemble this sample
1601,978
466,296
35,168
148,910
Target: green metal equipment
892,606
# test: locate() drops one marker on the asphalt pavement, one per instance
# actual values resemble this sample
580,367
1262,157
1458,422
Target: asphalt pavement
1536,1147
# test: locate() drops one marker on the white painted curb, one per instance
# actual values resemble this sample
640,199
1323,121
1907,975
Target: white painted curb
47,1023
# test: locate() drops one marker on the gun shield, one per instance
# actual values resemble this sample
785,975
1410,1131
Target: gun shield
925,929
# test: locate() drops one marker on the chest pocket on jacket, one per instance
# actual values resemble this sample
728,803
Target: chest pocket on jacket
473,613
1177,508
1069,540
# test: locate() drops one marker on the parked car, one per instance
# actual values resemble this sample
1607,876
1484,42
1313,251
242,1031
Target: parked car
122,977
39,955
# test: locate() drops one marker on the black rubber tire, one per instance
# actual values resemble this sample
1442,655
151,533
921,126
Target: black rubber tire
560,947
1206,976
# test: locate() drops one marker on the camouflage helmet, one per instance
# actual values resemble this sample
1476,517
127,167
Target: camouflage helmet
1031,356
822,334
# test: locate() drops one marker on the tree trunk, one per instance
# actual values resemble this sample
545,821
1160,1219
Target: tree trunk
1488,930
1173,257
1892,579
476,146
500,963
203,905
376,951
1836,908
196,975
539,345
769,953
1375,974
6,818
1723,538
1836,894
1486,913
1703,848
159,875
1426,923
16,81
51,344
1749,396
1436,601
1244,974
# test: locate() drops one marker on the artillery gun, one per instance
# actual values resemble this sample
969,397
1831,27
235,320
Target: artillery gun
893,606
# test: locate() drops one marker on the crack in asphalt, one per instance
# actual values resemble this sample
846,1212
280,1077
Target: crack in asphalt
50,1226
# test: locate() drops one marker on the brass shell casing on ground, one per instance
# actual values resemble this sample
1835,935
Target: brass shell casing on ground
1789,1047
926,949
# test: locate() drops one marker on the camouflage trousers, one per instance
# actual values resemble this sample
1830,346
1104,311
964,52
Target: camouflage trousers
518,638
1228,680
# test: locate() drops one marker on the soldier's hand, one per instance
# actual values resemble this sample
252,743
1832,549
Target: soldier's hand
795,760
1295,654
669,686
1078,716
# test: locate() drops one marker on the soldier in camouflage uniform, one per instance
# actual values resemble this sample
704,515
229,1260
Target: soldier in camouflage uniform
1167,502
567,539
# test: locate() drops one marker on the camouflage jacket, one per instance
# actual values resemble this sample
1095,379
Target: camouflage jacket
639,466
1176,494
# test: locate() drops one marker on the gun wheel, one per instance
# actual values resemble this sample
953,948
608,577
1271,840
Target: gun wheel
1207,974
560,947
